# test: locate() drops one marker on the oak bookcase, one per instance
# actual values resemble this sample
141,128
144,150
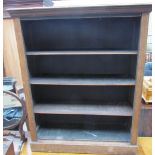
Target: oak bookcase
82,70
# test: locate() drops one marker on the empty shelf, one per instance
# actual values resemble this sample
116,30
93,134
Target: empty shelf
83,134
117,109
80,52
83,81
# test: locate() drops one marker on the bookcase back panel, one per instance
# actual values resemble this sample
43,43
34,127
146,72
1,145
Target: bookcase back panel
82,121
83,65
82,94
118,33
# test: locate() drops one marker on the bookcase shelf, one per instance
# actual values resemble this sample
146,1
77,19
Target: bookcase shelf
92,81
82,52
83,135
108,109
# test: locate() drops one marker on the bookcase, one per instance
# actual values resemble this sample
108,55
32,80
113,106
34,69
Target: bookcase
82,69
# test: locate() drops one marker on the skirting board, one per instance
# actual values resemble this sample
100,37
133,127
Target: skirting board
108,148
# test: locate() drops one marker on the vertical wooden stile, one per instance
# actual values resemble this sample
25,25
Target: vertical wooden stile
139,76
25,78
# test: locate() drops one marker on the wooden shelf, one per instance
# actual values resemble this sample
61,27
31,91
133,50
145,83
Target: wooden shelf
81,52
116,109
83,134
83,81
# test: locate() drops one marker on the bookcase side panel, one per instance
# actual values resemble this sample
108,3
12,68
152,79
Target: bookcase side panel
139,76
25,78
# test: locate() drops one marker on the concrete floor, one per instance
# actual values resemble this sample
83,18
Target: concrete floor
145,148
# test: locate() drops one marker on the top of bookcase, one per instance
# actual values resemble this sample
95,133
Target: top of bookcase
81,9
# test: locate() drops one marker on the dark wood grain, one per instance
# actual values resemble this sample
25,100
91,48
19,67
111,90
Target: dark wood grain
139,77
107,33
83,81
71,93
115,109
81,52
26,3
83,127
97,122
106,66
93,46
25,77
114,148
145,123
77,11
83,135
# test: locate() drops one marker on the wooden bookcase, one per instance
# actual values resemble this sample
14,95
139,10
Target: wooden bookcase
82,70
